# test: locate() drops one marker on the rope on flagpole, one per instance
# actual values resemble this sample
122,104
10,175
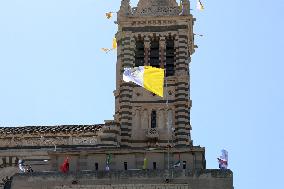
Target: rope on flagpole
167,104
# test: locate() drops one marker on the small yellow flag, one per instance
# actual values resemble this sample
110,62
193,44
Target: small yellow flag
109,15
114,43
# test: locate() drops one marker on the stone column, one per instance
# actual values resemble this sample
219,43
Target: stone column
126,91
182,95
170,123
162,52
136,127
4,160
147,51
161,117
145,119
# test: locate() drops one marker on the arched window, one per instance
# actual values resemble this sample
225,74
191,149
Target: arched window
4,161
170,57
96,166
184,165
139,53
154,53
153,119
125,165
154,165
10,161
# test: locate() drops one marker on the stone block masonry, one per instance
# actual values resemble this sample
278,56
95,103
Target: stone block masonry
140,179
128,186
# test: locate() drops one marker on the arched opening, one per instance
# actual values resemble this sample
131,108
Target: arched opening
154,165
170,56
154,52
96,166
139,52
153,119
125,166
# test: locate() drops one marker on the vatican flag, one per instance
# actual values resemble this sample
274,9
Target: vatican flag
149,77
200,5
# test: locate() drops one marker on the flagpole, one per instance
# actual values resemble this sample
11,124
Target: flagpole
168,126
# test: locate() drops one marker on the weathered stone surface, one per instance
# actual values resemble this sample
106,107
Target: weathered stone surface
156,8
209,179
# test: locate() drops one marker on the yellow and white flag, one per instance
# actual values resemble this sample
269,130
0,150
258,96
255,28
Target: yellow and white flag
109,15
148,77
200,5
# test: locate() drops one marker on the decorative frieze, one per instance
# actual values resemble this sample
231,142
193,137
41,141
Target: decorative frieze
153,22
156,11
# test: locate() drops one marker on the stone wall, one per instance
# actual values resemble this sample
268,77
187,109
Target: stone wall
206,179
85,159
5,174
128,186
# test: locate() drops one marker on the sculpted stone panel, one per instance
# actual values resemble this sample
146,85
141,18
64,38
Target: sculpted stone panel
157,11
156,8
48,141
145,119
59,135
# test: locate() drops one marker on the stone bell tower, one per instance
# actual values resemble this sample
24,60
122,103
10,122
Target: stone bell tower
157,33
148,144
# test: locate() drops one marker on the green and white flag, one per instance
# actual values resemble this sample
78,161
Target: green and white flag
108,161
145,163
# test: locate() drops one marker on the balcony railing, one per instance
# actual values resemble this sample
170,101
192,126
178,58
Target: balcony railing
152,133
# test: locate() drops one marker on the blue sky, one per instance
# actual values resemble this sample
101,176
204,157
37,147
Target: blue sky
52,72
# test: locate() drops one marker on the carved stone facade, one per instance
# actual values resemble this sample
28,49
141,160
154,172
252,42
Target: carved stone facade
145,126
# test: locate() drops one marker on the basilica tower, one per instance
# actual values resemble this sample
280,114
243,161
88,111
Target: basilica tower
148,144
156,33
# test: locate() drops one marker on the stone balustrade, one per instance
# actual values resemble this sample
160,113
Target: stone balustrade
152,133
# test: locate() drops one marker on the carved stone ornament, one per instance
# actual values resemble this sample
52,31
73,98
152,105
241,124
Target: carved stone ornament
156,8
